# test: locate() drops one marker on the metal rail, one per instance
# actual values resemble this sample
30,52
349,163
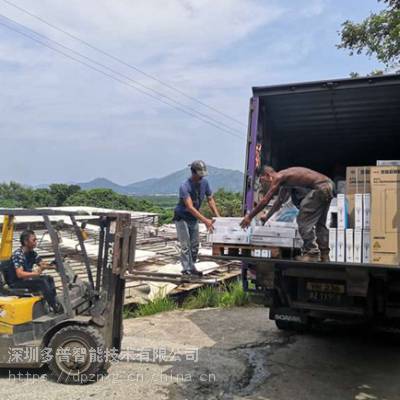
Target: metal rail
282,261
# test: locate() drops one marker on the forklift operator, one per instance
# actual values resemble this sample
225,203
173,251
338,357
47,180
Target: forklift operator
313,208
23,275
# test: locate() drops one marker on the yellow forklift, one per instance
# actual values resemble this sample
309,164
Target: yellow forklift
79,343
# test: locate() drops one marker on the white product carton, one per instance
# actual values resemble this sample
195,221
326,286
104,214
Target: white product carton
332,213
358,210
333,244
342,211
228,221
227,230
274,232
350,245
341,245
381,163
367,210
358,234
271,241
229,238
265,253
256,253
281,224
366,246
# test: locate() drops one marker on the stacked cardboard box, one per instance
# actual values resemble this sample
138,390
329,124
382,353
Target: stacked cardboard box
358,197
228,230
368,221
385,215
276,235
358,189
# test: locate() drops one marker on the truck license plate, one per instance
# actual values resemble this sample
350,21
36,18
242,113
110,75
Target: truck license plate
325,293
325,287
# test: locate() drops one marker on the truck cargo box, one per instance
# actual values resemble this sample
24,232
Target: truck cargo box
325,126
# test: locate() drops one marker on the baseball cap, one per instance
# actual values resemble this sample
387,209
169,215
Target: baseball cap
199,167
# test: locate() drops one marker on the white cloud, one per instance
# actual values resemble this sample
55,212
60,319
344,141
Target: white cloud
212,49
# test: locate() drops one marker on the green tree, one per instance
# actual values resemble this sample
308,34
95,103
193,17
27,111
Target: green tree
15,195
378,35
60,192
107,198
229,204
42,198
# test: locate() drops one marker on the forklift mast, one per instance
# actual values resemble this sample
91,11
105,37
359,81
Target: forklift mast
116,256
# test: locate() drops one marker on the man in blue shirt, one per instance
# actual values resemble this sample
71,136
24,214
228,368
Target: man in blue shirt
192,192
22,274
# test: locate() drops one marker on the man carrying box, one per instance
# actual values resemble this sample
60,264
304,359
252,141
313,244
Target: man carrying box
187,215
313,208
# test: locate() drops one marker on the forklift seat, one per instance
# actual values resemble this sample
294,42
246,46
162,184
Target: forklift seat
5,289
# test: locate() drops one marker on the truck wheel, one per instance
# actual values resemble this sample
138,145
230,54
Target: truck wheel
71,348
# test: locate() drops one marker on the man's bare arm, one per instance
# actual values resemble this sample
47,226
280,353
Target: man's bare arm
265,200
282,198
21,274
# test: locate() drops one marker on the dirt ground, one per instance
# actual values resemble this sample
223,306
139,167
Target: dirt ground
231,354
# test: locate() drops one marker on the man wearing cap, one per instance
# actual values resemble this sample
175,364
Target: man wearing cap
187,215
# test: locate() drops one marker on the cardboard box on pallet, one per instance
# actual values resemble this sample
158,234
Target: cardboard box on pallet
385,215
272,241
230,237
227,230
277,232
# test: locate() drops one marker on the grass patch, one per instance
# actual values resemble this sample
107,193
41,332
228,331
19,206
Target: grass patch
207,296
159,304
229,295
234,295
128,311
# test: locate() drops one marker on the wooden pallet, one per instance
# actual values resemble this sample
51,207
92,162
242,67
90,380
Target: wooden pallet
226,249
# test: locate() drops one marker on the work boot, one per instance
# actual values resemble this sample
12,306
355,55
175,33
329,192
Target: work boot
308,257
192,272
325,256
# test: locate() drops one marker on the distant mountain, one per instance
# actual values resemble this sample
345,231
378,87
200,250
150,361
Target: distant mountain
103,183
227,179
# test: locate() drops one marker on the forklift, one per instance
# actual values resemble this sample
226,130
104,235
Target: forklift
79,343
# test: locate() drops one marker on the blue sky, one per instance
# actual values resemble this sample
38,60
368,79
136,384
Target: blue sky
61,122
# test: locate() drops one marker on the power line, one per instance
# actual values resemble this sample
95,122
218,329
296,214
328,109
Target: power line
122,75
118,79
115,58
